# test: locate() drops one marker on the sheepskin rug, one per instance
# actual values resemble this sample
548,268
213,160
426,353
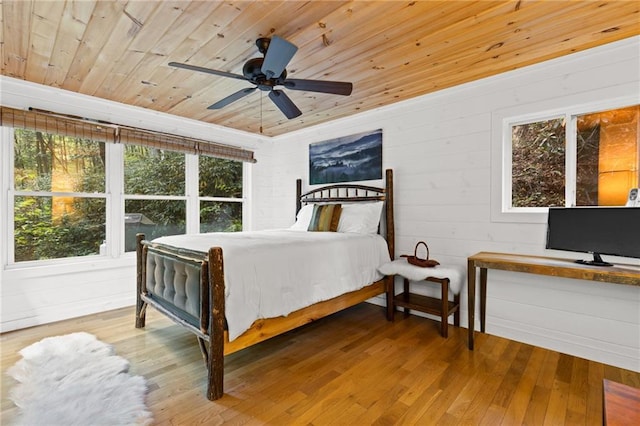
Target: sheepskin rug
76,379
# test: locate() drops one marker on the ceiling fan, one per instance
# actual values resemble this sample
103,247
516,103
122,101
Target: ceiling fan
268,72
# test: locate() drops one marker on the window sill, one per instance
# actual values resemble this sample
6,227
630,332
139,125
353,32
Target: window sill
26,270
529,215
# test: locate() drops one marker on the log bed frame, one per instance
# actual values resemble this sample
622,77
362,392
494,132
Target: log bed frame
211,333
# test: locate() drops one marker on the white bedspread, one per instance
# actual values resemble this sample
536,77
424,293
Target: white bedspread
273,273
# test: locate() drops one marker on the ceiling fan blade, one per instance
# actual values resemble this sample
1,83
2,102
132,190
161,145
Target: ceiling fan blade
278,55
286,105
333,87
232,98
206,70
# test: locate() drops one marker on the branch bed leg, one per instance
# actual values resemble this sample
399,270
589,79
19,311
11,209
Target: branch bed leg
215,382
140,282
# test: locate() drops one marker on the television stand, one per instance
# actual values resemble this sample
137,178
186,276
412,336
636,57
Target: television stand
597,261
540,265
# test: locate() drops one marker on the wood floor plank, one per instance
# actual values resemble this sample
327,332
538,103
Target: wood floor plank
537,408
578,392
353,367
556,410
461,406
539,401
520,402
497,362
506,388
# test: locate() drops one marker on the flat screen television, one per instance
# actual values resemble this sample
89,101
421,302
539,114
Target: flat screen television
598,230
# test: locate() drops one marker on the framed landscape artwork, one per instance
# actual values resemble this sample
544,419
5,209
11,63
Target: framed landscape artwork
346,159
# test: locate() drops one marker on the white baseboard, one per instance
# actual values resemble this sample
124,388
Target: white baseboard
591,349
60,313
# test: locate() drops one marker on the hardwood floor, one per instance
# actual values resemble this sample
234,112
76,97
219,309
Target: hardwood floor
353,367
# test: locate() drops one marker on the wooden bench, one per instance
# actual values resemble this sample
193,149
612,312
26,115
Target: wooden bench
448,278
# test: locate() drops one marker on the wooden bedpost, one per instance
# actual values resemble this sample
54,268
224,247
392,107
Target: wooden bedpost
391,235
391,240
215,382
298,195
140,283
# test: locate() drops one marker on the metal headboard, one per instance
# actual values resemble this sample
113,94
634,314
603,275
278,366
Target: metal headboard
350,193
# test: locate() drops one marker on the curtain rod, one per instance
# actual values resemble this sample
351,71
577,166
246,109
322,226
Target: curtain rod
73,117
117,127
124,134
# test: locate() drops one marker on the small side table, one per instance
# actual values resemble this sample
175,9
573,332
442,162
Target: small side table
449,279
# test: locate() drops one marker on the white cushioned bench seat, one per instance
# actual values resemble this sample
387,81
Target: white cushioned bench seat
416,273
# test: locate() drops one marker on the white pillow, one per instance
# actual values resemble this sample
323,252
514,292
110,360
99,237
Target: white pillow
362,218
303,219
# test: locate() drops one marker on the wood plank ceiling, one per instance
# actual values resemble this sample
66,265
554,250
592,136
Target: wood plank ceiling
390,50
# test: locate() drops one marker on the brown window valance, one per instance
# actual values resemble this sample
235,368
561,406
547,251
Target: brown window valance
45,121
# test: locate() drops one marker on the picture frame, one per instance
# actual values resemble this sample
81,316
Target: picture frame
352,158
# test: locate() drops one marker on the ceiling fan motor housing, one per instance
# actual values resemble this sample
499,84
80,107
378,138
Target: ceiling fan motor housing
263,44
252,71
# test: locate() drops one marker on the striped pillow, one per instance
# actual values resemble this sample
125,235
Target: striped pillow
325,217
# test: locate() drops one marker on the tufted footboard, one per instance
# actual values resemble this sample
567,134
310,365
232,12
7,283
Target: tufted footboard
188,287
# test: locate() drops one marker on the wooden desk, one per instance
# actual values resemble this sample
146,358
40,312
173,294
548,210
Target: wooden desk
566,268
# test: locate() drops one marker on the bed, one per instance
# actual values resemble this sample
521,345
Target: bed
232,290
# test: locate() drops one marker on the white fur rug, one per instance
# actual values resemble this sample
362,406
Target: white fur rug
76,380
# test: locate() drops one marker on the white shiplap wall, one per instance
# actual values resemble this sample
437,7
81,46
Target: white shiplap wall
440,147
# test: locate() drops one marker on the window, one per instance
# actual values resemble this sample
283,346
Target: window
78,188
537,163
154,187
70,191
59,205
571,159
220,195
60,200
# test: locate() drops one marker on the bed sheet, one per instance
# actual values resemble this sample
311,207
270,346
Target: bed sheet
273,273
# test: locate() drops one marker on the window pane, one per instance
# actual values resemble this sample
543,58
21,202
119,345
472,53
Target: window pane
57,227
538,156
220,178
608,147
154,218
149,171
47,162
218,216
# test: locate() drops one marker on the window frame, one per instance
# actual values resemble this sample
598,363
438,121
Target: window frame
125,196
198,199
8,134
501,153
507,147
